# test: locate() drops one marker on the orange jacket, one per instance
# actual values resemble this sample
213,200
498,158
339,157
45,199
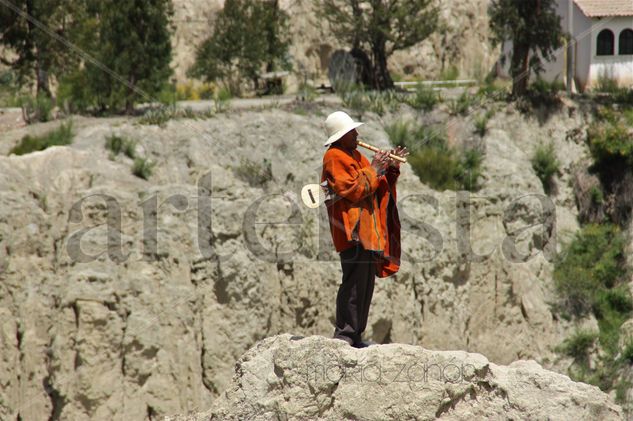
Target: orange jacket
362,206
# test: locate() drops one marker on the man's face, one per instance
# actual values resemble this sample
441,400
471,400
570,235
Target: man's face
349,140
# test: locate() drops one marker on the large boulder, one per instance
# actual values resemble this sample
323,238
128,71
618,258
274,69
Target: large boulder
288,377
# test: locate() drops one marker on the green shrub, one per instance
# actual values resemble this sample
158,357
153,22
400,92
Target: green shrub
597,197
481,123
451,73
592,263
187,112
222,100
255,174
74,93
158,116
577,346
623,96
542,87
117,144
424,98
610,142
355,101
493,89
607,113
462,104
436,167
432,160
607,84
546,165
416,137
143,168
400,133
36,109
61,136
469,169
307,92
9,88
627,353
628,116
612,307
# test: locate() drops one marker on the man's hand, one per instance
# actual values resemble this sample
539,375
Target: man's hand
380,161
399,151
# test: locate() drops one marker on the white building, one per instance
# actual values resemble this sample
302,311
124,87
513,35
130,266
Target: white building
602,43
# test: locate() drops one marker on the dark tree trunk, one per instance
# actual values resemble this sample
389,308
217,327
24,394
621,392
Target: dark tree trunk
129,98
381,78
270,65
43,86
364,68
520,70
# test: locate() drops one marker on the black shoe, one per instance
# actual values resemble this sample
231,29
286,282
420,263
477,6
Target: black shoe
341,338
364,344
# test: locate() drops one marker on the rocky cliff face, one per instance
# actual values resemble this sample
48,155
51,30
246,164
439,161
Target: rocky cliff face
463,42
123,298
293,378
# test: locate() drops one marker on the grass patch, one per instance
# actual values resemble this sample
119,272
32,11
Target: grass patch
433,161
462,104
578,345
494,90
481,123
63,135
589,266
160,116
607,84
423,99
254,173
358,100
627,353
143,168
119,144
222,100
546,165
469,169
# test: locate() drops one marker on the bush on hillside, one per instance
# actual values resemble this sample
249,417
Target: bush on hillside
590,265
61,136
143,168
38,109
424,98
119,144
546,165
433,161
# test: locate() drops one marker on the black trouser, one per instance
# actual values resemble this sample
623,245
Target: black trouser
354,294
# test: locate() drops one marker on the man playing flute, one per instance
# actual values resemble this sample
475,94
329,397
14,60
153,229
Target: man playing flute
361,204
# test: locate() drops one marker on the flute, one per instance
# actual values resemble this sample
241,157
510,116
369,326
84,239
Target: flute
375,149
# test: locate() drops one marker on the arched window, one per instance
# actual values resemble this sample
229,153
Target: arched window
626,42
605,43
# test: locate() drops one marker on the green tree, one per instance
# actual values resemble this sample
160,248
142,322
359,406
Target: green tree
130,52
248,36
378,28
135,44
28,47
534,28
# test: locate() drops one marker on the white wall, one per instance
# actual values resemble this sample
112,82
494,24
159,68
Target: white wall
616,66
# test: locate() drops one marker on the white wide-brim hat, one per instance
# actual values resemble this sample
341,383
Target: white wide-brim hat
337,124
